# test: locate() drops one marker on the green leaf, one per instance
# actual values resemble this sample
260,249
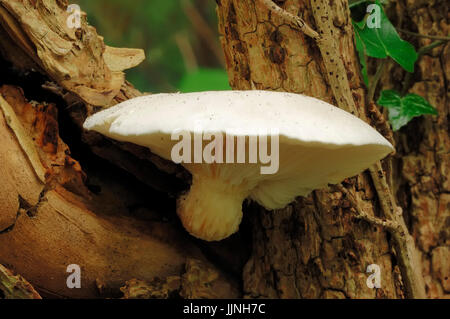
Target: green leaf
404,109
417,105
390,99
204,80
362,58
385,41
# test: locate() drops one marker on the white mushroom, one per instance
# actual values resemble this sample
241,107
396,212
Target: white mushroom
317,144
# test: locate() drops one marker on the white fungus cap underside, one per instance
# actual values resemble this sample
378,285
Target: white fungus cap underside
301,118
319,143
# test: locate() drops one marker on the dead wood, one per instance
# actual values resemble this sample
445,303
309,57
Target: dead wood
51,216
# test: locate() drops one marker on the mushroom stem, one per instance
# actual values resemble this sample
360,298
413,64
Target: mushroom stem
212,210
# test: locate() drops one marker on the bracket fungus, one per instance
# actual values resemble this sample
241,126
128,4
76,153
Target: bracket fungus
312,144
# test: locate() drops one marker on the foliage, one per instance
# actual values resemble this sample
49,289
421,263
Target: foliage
404,109
385,41
381,42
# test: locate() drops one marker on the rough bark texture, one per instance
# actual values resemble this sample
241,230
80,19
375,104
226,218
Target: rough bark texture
56,211
423,159
53,213
314,248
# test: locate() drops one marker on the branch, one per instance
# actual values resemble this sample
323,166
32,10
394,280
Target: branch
375,80
419,35
405,246
356,203
335,68
430,47
295,21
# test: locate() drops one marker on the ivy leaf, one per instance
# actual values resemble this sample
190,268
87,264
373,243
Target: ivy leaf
404,109
362,58
384,41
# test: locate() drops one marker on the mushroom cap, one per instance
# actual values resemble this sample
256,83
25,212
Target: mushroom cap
319,143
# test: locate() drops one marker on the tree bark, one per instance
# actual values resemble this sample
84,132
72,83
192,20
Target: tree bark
423,161
57,211
315,247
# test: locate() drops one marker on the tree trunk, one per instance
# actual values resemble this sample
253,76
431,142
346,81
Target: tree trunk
315,248
70,197
423,159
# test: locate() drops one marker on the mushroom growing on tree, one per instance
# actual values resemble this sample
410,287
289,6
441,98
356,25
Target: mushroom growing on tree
218,136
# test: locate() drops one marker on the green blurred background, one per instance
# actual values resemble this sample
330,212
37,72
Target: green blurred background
180,39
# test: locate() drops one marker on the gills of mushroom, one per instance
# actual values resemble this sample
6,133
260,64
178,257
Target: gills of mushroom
267,146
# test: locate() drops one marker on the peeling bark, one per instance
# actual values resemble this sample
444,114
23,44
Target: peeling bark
60,222
51,216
